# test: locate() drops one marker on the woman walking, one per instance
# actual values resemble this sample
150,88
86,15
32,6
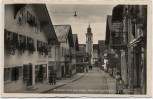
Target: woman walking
51,79
120,86
118,76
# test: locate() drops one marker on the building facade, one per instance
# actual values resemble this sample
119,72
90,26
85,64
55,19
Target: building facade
27,33
134,20
101,49
112,41
74,51
64,35
81,58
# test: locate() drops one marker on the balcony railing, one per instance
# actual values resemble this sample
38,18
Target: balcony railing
119,40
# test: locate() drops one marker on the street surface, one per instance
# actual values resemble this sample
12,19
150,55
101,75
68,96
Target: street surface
94,82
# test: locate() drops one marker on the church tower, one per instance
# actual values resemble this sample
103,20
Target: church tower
89,43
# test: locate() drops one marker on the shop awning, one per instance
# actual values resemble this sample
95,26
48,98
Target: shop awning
117,15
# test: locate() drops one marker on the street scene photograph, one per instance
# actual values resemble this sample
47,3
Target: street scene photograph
75,49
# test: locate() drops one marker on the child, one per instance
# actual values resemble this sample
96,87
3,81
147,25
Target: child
117,82
120,86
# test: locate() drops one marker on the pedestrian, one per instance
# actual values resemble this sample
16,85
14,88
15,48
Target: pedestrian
54,78
86,69
51,79
117,82
120,86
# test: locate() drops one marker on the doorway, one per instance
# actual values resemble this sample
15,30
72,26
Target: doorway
27,73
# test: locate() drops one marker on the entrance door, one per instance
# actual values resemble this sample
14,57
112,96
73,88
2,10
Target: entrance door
50,69
27,73
62,68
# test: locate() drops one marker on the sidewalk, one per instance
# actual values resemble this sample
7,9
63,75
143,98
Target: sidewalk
45,87
111,83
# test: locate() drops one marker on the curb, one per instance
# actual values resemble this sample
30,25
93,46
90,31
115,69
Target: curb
62,84
78,78
53,88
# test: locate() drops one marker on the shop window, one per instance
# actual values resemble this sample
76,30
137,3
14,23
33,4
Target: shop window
40,73
20,72
27,73
7,74
15,73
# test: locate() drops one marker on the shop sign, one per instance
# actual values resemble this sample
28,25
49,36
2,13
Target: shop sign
39,61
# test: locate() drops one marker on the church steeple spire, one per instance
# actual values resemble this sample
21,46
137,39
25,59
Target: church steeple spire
89,29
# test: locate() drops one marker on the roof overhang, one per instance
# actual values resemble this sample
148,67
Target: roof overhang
45,21
117,15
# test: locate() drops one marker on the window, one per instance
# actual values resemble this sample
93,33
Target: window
49,52
15,73
20,72
7,74
62,52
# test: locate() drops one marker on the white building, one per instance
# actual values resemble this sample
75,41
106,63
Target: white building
64,35
27,32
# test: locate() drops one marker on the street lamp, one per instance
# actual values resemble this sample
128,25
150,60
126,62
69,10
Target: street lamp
75,13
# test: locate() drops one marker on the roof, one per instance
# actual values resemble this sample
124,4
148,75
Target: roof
75,40
101,46
113,26
63,33
45,20
118,13
95,46
82,49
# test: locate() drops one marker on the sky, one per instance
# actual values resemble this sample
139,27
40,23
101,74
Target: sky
95,14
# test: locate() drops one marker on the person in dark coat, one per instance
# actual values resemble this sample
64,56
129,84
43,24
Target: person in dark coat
118,76
54,78
51,79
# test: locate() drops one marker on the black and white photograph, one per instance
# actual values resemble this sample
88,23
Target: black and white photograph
75,49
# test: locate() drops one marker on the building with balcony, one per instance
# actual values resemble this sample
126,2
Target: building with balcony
133,58
114,42
27,34
65,38
74,50
81,58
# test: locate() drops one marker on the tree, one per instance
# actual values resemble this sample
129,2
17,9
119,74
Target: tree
113,62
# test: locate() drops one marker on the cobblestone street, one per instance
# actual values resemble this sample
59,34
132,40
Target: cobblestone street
94,82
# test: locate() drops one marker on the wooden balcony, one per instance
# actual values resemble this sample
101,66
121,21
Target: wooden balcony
68,58
119,40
